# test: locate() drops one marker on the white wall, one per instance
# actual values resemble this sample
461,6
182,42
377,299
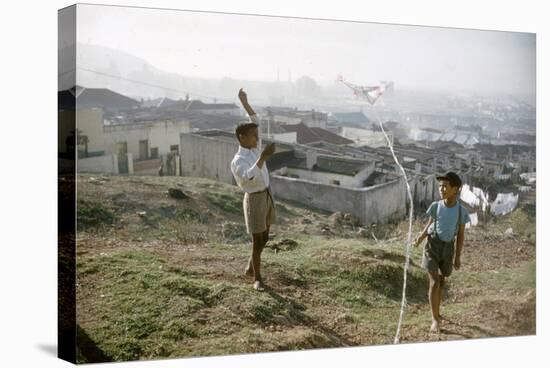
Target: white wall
286,119
160,134
207,157
328,178
284,137
98,164
370,205
90,122
365,136
232,112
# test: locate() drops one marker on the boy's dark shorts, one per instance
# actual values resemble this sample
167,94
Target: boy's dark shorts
438,256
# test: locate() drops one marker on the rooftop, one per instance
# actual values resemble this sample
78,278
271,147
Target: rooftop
305,134
109,100
194,105
339,165
350,117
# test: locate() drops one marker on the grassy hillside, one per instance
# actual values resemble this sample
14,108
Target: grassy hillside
159,277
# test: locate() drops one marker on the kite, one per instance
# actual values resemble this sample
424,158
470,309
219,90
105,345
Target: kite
371,94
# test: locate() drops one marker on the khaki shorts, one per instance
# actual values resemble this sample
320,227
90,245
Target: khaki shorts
259,211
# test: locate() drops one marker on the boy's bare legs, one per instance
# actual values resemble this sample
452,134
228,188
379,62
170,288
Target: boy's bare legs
249,268
441,292
265,236
249,271
257,247
434,296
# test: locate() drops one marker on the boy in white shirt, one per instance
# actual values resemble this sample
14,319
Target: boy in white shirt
250,172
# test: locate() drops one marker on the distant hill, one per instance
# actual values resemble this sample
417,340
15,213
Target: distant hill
104,67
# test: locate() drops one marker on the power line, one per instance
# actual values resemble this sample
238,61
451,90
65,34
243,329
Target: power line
153,85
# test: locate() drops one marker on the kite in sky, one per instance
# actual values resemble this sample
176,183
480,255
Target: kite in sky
369,93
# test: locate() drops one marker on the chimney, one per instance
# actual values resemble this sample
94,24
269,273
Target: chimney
311,159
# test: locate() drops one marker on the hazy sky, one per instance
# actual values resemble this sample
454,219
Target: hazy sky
255,47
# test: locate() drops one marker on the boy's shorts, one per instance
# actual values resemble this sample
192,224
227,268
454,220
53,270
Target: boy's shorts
259,211
438,256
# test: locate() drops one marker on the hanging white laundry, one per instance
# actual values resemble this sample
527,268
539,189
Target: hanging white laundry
473,220
504,203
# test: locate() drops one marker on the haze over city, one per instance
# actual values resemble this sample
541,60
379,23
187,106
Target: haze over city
270,49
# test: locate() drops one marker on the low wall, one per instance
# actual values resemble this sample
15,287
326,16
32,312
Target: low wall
374,204
98,164
147,167
207,157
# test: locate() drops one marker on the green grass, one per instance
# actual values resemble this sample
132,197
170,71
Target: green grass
152,308
93,214
144,304
137,301
226,202
523,221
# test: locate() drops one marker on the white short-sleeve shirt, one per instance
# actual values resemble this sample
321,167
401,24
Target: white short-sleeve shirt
249,177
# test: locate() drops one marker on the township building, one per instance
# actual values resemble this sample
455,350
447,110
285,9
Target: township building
116,135
320,174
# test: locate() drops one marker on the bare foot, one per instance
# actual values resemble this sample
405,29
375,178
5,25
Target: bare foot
258,286
435,326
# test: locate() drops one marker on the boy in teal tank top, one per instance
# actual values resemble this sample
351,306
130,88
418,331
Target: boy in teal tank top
444,230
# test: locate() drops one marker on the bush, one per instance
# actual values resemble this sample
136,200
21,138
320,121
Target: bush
92,214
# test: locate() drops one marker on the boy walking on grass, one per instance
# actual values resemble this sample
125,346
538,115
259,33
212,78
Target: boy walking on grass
441,252
250,172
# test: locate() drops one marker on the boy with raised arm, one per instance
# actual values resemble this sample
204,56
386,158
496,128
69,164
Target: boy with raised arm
251,174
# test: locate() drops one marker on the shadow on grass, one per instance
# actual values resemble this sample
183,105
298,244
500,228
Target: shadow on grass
295,310
88,349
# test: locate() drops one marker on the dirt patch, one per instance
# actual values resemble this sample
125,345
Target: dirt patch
490,250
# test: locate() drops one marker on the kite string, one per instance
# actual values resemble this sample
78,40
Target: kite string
409,235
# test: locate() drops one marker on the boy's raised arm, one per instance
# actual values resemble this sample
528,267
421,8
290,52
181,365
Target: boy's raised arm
244,101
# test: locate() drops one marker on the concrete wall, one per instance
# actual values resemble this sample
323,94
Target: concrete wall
147,167
284,137
328,178
228,111
283,119
365,136
370,205
207,157
424,190
99,164
160,134
90,122
210,157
